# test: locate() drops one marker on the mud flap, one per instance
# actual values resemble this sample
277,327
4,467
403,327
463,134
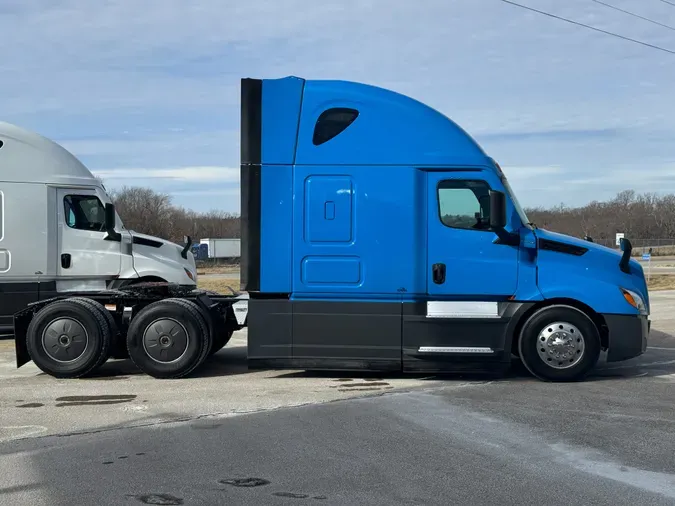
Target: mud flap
21,322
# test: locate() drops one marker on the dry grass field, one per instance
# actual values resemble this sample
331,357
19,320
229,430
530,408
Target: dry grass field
221,285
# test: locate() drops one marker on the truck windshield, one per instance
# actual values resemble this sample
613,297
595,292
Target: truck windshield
521,214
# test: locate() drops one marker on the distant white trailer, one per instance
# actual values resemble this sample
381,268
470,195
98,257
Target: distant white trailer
223,248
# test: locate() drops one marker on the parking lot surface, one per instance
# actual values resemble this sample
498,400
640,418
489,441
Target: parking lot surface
33,403
125,438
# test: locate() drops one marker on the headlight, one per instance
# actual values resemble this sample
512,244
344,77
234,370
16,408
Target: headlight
634,300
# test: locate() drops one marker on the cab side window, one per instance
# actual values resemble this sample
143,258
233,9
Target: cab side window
84,212
464,204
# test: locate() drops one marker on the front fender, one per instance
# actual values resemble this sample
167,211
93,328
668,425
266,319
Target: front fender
169,275
601,296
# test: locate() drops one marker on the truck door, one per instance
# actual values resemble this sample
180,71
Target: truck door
464,259
84,251
468,270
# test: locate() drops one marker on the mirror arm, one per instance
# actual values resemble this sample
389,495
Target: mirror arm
506,237
186,248
113,235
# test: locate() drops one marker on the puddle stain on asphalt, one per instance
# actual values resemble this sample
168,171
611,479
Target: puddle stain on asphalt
259,482
166,499
245,482
364,385
367,389
121,457
93,400
291,495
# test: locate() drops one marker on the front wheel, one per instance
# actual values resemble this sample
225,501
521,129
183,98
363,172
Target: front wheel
559,343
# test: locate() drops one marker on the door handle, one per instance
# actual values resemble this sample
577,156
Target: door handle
438,273
65,260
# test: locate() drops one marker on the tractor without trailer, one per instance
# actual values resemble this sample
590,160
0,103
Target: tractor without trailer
166,330
376,235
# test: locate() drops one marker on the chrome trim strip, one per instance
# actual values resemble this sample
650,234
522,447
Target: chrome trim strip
454,349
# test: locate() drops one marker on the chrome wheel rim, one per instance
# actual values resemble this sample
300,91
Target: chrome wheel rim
560,345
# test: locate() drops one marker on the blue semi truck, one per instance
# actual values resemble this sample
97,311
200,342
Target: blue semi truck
376,235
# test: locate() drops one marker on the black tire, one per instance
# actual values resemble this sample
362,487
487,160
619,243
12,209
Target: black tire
559,343
219,335
211,322
66,356
186,344
118,346
112,327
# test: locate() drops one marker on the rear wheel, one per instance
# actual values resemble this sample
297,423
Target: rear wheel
69,338
169,338
559,343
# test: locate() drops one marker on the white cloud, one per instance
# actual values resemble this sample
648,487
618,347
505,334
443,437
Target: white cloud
196,174
224,192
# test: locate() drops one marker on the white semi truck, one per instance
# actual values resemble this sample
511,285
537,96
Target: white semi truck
73,277
53,236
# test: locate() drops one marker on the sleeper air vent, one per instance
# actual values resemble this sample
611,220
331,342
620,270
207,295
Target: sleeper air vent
561,247
333,122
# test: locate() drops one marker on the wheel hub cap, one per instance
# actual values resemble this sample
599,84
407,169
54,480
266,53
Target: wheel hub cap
561,345
64,340
165,340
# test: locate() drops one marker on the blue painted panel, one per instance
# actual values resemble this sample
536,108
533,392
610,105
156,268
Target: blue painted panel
527,268
593,278
328,209
281,101
391,129
331,270
276,228
385,237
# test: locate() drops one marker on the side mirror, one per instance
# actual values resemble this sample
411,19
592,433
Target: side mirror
627,248
497,210
110,222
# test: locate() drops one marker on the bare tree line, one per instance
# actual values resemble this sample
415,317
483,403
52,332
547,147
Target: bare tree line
645,217
642,216
149,212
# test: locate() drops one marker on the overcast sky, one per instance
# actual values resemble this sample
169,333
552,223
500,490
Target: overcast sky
146,92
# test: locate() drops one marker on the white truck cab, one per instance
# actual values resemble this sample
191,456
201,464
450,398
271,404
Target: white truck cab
59,231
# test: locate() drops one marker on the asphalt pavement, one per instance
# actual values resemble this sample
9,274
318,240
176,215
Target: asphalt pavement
515,440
